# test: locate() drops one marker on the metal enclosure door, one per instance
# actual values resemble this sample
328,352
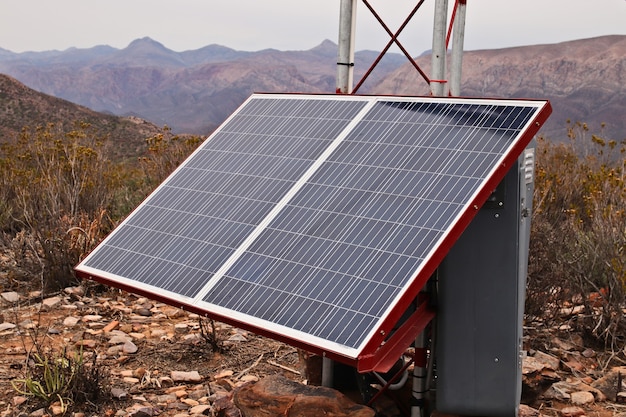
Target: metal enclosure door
482,286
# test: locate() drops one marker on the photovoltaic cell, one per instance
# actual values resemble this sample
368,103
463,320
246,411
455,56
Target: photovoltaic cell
309,217
187,229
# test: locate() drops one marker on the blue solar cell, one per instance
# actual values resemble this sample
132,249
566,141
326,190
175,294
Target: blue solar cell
380,202
311,215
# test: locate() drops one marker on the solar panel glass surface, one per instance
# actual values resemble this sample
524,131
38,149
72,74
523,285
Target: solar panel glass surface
309,217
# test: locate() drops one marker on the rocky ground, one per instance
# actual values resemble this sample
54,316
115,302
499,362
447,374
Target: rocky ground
154,359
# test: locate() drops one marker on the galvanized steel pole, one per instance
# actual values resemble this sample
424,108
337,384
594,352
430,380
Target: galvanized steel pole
438,76
345,54
456,60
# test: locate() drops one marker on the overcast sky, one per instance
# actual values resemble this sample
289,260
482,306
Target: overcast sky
250,25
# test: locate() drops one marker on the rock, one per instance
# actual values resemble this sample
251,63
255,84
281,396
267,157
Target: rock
19,400
589,353
129,347
165,381
143,312
38,413
572,412
576,386
92,318
556,393
88,343
7,326
181,327
143,412
562,344
130,380
180,376
10,297
119,339
57,409
527,411
224,407
190,402
200,409
608,383
119,393
581,398
548,361
224,374
50,303
70,321
277,395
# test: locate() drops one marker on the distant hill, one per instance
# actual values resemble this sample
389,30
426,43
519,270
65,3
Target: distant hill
21,106
194,91
191,91
585,80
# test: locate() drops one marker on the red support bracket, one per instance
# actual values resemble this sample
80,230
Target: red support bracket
388,353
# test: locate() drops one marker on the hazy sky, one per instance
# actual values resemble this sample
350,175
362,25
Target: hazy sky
37,25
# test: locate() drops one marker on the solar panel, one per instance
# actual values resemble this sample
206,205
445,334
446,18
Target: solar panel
317,219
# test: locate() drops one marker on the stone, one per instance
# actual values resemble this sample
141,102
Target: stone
88,343
181,327
70,321
181,376
166,398
608,383
581,398
143,412
129,347
527,411
237,337
50,303
19,400
589,353
190,402
119,393
92,317
575,386
224,374
119,339
165,381
277,395
200,409
57,409
38,413
549,361
7,326
143,312
572,412
10,297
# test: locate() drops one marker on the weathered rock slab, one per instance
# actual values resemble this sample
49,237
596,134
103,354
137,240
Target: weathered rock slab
279,396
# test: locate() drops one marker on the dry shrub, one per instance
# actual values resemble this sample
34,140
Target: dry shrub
60,194
54,182
578,237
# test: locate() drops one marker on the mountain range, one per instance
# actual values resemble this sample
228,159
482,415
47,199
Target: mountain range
194,91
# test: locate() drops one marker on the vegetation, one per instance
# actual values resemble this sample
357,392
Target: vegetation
61,193
578,237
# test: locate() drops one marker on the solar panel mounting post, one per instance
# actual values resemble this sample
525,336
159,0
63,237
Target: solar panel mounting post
437,81
458,37
345,50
